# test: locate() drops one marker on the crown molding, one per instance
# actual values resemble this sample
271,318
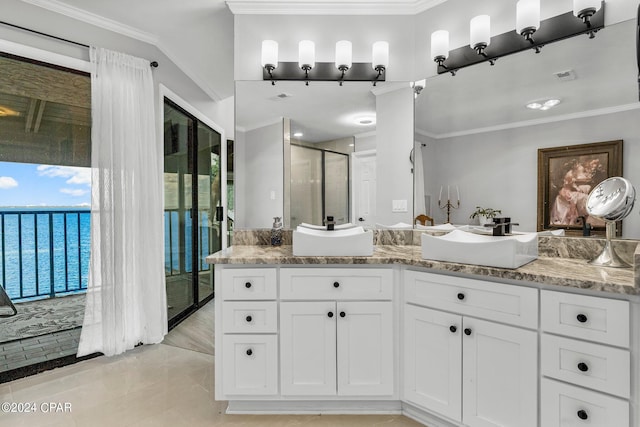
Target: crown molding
93,19
526,123
331,7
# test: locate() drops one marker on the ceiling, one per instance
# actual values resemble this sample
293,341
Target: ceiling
45,114
322,111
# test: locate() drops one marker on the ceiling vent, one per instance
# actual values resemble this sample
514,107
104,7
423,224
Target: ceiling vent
565,76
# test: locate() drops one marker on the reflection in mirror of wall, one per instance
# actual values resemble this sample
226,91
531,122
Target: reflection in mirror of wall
300,151
483,139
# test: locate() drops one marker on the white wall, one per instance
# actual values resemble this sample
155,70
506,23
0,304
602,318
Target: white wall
499,169
394,134
259,172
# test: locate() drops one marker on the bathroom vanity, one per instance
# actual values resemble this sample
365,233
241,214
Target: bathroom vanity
552,343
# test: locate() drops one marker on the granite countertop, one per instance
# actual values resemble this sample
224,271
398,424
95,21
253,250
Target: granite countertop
576,273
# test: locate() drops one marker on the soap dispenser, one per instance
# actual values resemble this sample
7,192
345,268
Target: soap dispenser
276,231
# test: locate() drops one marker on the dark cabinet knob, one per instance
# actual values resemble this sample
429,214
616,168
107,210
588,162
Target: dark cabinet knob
453,329
460,296
342,314
249,352
330,314
249,318
361,219
247,285
336,284
583,367
582,414
467,331
582,318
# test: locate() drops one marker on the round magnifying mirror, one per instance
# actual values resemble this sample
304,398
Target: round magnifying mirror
611,200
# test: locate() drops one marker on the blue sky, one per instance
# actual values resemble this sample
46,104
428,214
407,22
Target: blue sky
26,184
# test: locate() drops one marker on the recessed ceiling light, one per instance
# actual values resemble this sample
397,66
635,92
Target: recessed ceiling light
351,145
543,104
365,120
298,134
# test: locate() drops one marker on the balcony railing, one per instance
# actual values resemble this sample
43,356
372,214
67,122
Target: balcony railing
44,253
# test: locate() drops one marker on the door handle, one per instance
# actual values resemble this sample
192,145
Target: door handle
361,219
219,213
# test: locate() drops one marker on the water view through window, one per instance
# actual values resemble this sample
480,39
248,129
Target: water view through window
44,229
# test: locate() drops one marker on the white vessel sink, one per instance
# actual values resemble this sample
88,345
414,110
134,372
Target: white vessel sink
494,251
349,242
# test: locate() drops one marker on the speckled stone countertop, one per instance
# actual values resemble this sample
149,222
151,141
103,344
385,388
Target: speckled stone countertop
576,273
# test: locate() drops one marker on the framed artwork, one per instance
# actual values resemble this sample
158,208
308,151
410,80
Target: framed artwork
566,176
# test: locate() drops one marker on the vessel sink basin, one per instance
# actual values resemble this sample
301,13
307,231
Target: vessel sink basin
510,251
348,242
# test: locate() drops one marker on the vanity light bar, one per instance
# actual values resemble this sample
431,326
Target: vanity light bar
307,69
529,34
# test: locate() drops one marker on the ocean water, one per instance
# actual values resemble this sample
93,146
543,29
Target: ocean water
26,255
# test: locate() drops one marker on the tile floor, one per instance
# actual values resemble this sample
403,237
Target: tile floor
155,385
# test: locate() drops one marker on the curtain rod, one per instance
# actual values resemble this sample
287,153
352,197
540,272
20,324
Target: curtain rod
154,64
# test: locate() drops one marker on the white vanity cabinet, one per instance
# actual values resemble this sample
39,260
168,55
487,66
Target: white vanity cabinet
473,371
336,332
585,344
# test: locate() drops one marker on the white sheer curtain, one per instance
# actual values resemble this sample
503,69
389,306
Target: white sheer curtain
126,300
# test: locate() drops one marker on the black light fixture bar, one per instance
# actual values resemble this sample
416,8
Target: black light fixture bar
325,71
551,30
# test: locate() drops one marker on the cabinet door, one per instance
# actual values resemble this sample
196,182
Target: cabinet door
365,348
433,360
499,366
308,348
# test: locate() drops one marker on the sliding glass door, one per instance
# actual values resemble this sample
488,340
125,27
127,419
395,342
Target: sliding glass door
193,210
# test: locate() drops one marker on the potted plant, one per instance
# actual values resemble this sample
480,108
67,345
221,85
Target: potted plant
485,215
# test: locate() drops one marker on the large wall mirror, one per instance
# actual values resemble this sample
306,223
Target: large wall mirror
476,134
306,152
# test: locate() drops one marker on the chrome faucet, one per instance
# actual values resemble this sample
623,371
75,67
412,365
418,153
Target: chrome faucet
501,226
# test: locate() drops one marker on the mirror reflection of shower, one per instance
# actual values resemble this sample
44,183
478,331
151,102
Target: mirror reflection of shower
319,185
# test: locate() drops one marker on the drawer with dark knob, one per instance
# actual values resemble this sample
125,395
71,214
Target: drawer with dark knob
566,405
596,366
249,317
596,319
248,284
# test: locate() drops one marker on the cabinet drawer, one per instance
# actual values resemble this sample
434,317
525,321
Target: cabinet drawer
249,284
590,365
592,318
336,283
249,316
510,304
565,405
250,364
